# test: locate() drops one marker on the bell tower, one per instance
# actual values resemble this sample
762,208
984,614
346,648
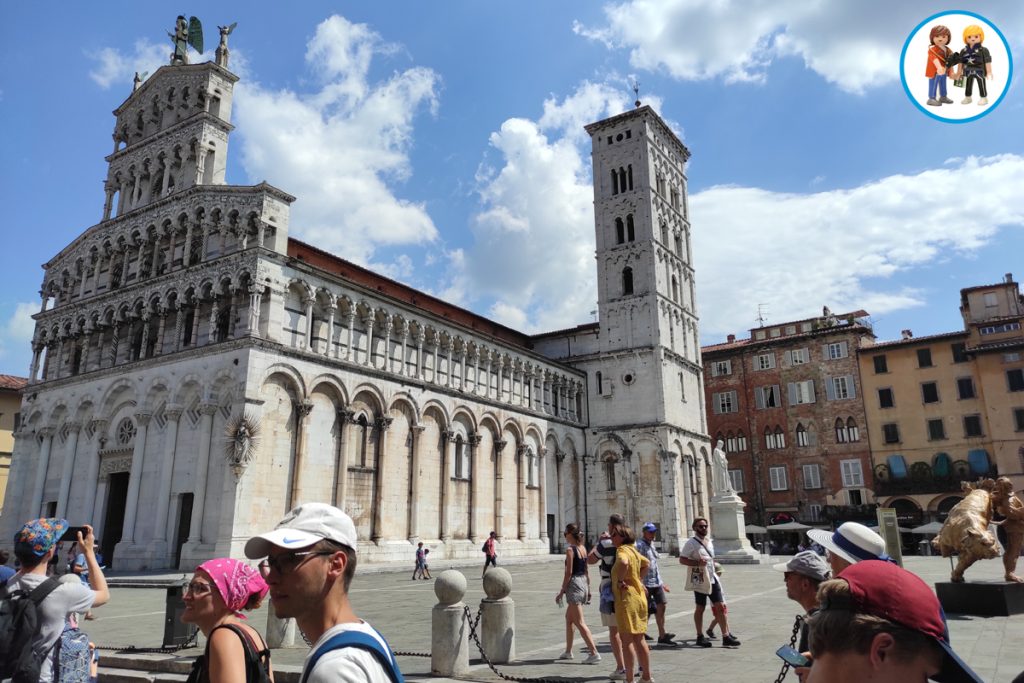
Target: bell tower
171,133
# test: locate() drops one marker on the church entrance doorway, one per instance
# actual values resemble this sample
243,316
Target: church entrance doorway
113,520
184,523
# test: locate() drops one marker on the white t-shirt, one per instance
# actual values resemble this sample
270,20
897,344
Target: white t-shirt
693,550
66,598
348,664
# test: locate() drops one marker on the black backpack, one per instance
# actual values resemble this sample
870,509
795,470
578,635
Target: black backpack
19,624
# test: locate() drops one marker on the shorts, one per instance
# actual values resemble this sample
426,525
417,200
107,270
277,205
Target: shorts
608,619
492,561
576,593
716,595
657,594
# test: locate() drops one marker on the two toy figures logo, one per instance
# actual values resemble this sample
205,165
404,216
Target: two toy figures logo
962,85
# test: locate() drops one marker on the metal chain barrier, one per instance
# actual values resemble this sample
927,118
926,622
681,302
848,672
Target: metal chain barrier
792,643
132,649
472,634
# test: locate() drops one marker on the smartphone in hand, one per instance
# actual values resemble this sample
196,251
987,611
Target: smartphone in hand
71,533
792,657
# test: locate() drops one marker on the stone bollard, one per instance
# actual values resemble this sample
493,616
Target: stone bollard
498,617
449,633
280,632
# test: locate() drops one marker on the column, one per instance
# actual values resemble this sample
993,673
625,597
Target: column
332,303
421,337
145,335
416,433
476,371
474,487
179,320
33,368
499,446
404,329
380,467
99,430
447,453
166,180
542,504
670,502
59,358
108,201
487,372
69,467
464,368
369,342
437,357
302,411
520,492
205,246
161,323
135,478
344,419
559,493
197,303
41,467
187,251
451,362
195,531
163,496
351,332
578,471
255,301
389,325
211,335
308,301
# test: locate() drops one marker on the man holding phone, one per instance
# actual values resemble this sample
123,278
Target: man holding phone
34,546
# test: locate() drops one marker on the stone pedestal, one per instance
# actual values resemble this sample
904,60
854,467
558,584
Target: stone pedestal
981,598
449,632
498,617
728,528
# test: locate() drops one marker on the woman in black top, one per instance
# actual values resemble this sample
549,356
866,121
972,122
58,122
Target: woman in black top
576,590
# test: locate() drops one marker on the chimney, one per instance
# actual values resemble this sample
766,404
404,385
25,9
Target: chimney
906,334
1008,278
731,338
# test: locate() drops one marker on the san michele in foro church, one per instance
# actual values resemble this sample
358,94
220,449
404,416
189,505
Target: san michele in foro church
197,371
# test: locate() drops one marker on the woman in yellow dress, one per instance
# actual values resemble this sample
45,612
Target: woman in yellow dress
630,601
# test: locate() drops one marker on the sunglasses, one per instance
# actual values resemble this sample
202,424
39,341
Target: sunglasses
198,588
289,562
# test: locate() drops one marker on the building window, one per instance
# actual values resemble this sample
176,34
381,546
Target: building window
767,397
959,352
930,392
885,398
812,476
936,430
854,497
801,392
991,300
627,281
972,425
1011,357
599,381
840,388
630,231
801,435
730,443
741,441
724,402
840,430
836,350
764,361
924,358
881,365
996,329
852,431
1015,379
798,356
620,231
965,388
736,479
1018,419
891,433
778,478
853,477
609,474
774,440
814,513
721,367
682,387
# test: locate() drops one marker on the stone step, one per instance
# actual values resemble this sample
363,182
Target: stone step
152,662
109,674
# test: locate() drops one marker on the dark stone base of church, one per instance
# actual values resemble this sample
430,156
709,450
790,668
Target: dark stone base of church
981,598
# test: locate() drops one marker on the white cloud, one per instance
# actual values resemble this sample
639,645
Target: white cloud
16,338
797,252
342,148
853,45
115,67
533,250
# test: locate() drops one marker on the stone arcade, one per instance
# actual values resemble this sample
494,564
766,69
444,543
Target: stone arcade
188,307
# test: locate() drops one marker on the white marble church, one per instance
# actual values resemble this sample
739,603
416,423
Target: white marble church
197,372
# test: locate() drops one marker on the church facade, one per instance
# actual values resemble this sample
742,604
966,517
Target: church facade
196,371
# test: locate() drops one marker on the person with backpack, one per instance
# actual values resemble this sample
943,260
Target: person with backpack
311,556
214,600
34,608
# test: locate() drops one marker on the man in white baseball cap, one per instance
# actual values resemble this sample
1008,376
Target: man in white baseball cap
311,556
849,544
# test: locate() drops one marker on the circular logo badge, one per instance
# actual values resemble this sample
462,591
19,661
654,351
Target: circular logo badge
956,66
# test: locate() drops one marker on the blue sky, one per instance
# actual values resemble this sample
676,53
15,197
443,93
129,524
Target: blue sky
442,144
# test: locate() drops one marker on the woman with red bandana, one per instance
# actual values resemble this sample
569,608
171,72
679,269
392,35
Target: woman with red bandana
214,599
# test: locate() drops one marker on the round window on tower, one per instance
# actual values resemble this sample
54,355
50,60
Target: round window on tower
628,378
618,138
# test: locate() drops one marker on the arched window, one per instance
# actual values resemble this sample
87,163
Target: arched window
599,380
780,437
840,430
630,171
615,182
609,474
622,179
730,443
460,456
620,233
942,466
627,281
801,435
769,438
679,246
741,441
364,438
675,289
664,233
630,232
852,431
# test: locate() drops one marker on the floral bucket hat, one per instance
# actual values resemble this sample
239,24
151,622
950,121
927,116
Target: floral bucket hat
39,535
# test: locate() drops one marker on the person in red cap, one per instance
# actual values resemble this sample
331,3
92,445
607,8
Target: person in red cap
879,622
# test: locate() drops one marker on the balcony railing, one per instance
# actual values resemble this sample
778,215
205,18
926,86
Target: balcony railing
922,479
